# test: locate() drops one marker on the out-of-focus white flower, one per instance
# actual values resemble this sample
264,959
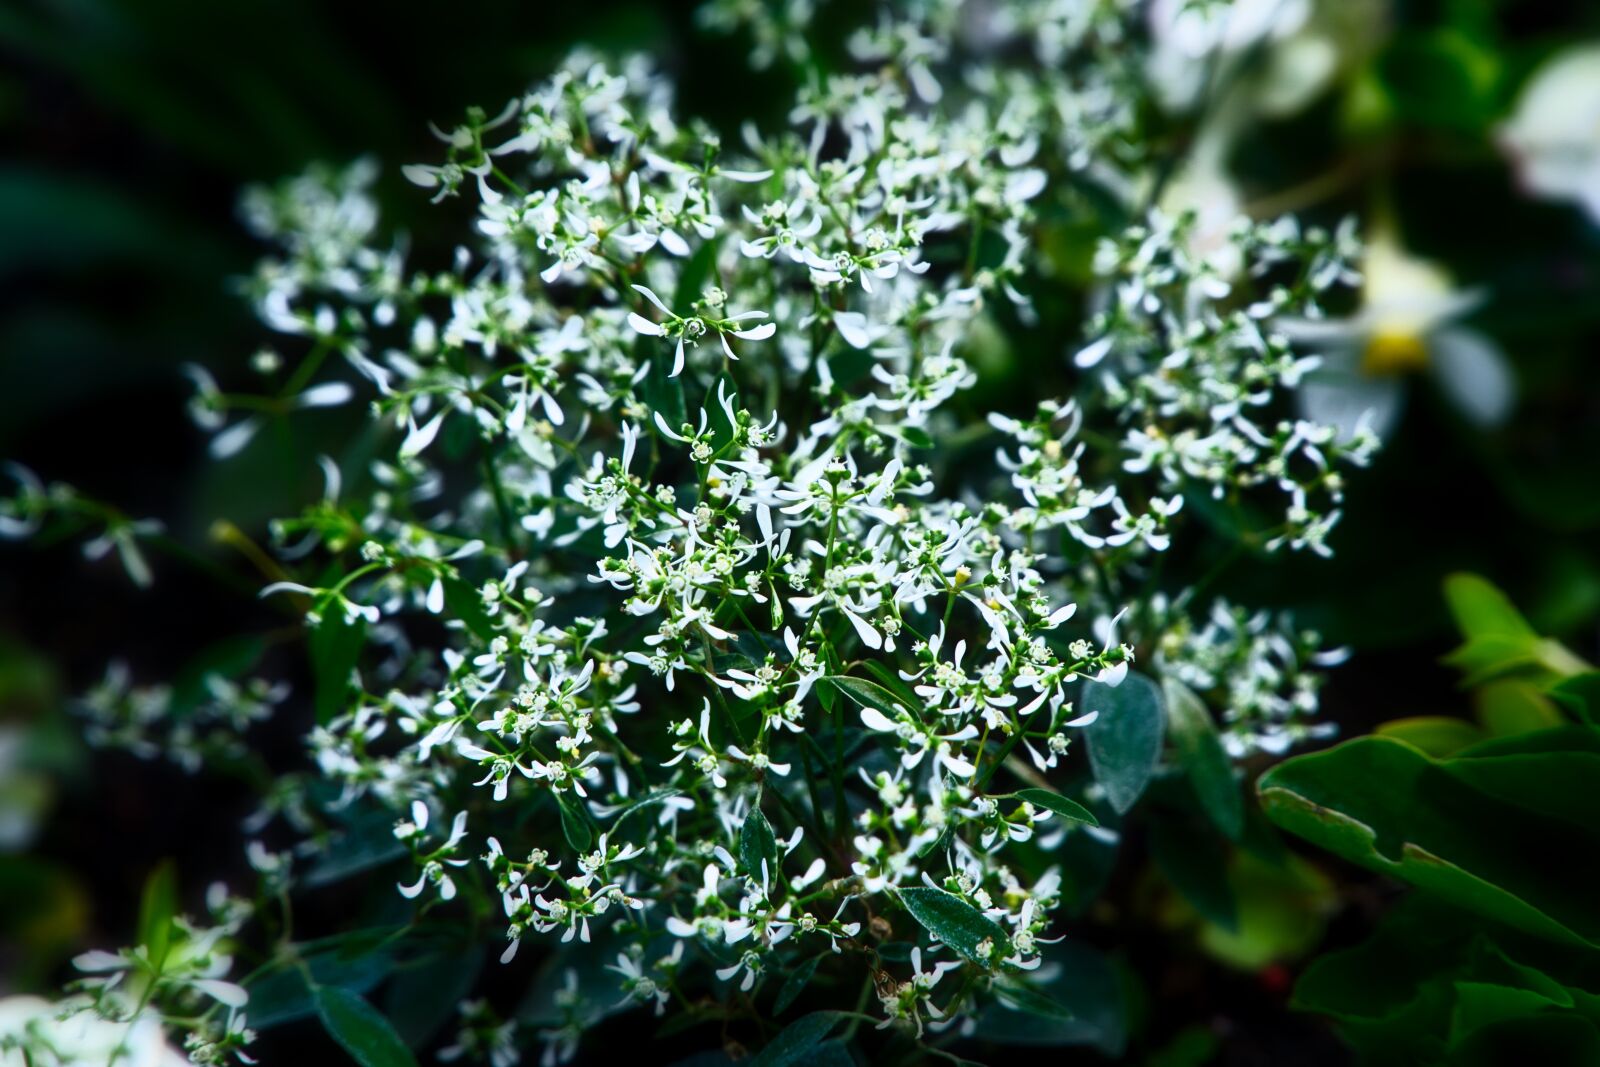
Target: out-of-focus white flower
1189,38
35,1026
1553,137
1407,324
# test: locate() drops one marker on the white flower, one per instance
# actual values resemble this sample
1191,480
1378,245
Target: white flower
1553,135
1407,323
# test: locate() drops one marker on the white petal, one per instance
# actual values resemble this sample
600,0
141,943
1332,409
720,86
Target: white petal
1473,372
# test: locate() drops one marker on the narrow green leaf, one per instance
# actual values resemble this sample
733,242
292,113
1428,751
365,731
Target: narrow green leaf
1067,809
795,984
361,1029
867,694
1200,754
157,907
335,644
758,846
1125,741
1196,864
955,922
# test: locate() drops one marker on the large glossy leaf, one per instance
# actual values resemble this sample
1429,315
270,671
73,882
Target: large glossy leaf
954,921
1200,754
1486,832
1125,741
361,1029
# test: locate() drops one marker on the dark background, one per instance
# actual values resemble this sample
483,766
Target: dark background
128,127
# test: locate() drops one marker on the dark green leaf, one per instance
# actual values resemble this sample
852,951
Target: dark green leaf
361,1029
1032,1002
1196,864
424,993
575,824
867,694
955,922
1067,809
335,644
798,1041
1087,985
1125,741
1200,754
758,849
795,984
1495,834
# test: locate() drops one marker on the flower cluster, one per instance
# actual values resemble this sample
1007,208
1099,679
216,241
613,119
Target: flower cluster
693,611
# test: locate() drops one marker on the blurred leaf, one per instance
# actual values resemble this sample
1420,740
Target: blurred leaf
1030,1001
1125,740
1515,706
361,1029
1481,610
1437,735
1580,695
1200,754
424,993
795,984
1282,908
1196,864
798,1041
335,644
157,908
1088,986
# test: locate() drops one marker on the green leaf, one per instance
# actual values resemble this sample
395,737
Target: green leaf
1580,695
1481,610
867,694
1485,832
1032,1002
716,418
1200,754
157,907
915,437
574,825
1067,809
1196,864
798,1041
1125,741
361,1029
955,922
795,984
335,644
758,848
1510,706
424,993
1085,983
1436,735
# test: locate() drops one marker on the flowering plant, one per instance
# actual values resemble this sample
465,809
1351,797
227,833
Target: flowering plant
682,611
